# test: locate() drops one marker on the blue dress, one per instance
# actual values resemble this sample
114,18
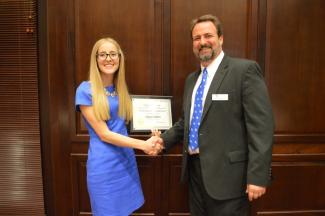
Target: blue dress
112,174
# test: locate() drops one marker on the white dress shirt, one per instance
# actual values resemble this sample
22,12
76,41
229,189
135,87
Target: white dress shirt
211,69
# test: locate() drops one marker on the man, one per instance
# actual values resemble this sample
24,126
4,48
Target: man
227,147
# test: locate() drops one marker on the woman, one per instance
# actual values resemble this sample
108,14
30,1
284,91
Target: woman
112,175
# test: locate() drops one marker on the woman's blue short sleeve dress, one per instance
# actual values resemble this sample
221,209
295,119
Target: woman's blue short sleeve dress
112,174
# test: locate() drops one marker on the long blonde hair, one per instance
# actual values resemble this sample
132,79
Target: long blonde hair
99,98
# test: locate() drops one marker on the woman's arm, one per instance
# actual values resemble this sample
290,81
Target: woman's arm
149,146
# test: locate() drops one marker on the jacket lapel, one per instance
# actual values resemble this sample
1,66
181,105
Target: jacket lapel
215,84
189,98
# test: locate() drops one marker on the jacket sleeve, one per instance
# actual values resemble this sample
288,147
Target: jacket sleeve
176,133
259,125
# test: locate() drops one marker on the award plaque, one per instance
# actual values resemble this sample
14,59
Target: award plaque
151,112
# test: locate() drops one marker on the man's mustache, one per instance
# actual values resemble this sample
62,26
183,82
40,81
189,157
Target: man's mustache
204,46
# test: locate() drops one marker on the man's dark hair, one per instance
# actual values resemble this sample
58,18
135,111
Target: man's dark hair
206,18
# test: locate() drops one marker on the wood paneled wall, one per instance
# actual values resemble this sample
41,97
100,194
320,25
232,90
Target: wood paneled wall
293,54
285,37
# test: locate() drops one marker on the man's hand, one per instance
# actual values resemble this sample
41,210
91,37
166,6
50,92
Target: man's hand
159,141
254,191
152,146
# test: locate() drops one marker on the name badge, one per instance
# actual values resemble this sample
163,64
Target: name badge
219,97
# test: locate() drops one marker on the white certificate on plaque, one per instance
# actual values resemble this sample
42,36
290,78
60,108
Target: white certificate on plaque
151,112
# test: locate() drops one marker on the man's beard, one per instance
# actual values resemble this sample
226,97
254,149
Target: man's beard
206,57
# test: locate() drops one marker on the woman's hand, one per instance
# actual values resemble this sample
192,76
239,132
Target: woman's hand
153,146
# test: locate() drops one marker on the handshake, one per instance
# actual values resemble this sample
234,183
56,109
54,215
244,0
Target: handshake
155,144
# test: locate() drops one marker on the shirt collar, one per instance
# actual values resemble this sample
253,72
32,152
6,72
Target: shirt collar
213,67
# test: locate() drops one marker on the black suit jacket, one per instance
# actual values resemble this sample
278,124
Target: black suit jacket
235,135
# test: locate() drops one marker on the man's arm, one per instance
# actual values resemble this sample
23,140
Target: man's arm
173,135
260,128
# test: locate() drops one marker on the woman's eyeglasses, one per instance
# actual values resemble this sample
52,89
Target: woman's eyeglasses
103,55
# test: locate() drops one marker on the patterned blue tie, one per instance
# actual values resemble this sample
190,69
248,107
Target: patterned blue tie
197,113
